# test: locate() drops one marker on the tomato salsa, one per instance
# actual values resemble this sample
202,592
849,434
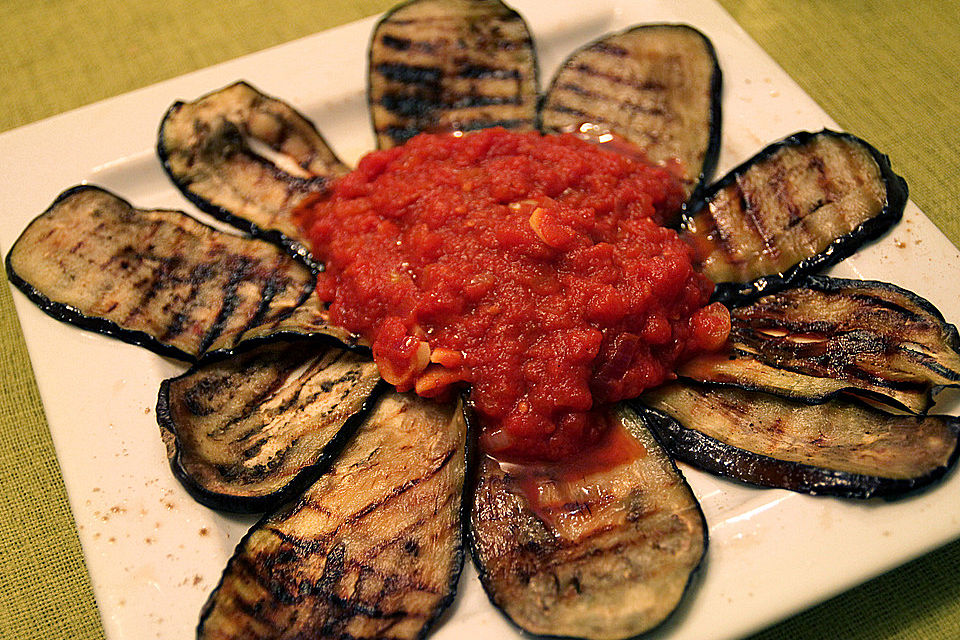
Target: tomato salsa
535,269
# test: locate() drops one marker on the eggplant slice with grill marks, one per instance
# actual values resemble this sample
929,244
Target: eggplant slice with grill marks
247,159
831,335
601,549
373,549
658,86
838,448
800,205
450,65
245,433
155,278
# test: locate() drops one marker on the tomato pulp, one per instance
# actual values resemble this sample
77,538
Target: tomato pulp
534,269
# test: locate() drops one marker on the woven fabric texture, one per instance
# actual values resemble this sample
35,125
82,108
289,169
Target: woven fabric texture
885,70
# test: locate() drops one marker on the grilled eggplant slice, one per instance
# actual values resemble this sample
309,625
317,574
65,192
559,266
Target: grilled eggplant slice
373,549
831,335
246,433
838,448
247,159
802,204
450,65
602,549
155,278
658,86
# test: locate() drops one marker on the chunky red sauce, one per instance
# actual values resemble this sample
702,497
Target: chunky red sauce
533,268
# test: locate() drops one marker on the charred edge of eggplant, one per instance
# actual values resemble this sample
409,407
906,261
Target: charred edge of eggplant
292,246
712,152
735,294
258,504
722,459
510,11
471,481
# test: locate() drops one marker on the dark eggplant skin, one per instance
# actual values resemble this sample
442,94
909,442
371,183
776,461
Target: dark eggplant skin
644,114
338,560
450,65
828,336
216,448
841,247
611,560
281,293
694,447
218,140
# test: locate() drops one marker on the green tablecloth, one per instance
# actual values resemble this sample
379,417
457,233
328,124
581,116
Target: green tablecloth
884,69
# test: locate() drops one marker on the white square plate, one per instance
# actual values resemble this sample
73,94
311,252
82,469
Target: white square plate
154,554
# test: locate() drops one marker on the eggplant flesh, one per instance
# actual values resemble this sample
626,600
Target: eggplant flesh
658,86
831,335
800,205
838,448
156,278
245,433
603,549
450,65
247,159
373,549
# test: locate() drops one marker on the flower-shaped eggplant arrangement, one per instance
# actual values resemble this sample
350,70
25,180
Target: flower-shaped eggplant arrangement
371,495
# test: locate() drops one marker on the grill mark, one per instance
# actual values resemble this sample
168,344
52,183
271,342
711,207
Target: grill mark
316,543
633,107
724,240
230,301
506,123
268,292
409,106
395,43
396,492
404,533
251,474
253,405
196,397
292,184
754,215
583,116
478,101
609,49
889,305
159,281
410,74
639,84
335,568
575,553
400,134
484,72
